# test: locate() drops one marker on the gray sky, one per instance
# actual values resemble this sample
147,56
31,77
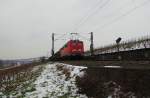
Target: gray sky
24,24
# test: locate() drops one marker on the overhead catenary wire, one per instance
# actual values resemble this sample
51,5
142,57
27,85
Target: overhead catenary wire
97,7
109,23
88,16
85,38
93,7
123,15
60,37
63,37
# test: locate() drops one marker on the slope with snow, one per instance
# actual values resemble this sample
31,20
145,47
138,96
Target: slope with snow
56,83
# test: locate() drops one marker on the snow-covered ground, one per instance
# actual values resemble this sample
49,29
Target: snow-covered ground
57,81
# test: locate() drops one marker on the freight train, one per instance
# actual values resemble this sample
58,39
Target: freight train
73,49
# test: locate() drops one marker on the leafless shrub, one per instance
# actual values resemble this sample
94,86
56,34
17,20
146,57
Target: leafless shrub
67,73
65,70
91,86
59,67
11,78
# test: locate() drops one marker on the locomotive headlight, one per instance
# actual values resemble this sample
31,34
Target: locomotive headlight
79,49
74,50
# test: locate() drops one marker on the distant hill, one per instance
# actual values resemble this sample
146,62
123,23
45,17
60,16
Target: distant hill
7,63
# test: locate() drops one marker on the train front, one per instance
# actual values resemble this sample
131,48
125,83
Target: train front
73,49
76,48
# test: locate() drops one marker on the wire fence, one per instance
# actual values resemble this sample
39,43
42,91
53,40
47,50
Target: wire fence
18,77
143,42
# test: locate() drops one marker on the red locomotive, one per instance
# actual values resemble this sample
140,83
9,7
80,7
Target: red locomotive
73,48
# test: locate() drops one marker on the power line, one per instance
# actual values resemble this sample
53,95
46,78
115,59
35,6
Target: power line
60,37
125,14
91,14
87,14
88,39
85,19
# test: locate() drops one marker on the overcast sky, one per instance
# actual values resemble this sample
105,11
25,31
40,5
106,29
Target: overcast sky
26,25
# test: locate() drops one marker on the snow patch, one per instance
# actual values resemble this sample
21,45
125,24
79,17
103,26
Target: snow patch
57,80
112,66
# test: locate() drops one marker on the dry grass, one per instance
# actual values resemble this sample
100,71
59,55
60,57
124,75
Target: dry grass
17,77
64,70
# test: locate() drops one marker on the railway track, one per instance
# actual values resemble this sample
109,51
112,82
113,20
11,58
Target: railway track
107,80
129,78
111,64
